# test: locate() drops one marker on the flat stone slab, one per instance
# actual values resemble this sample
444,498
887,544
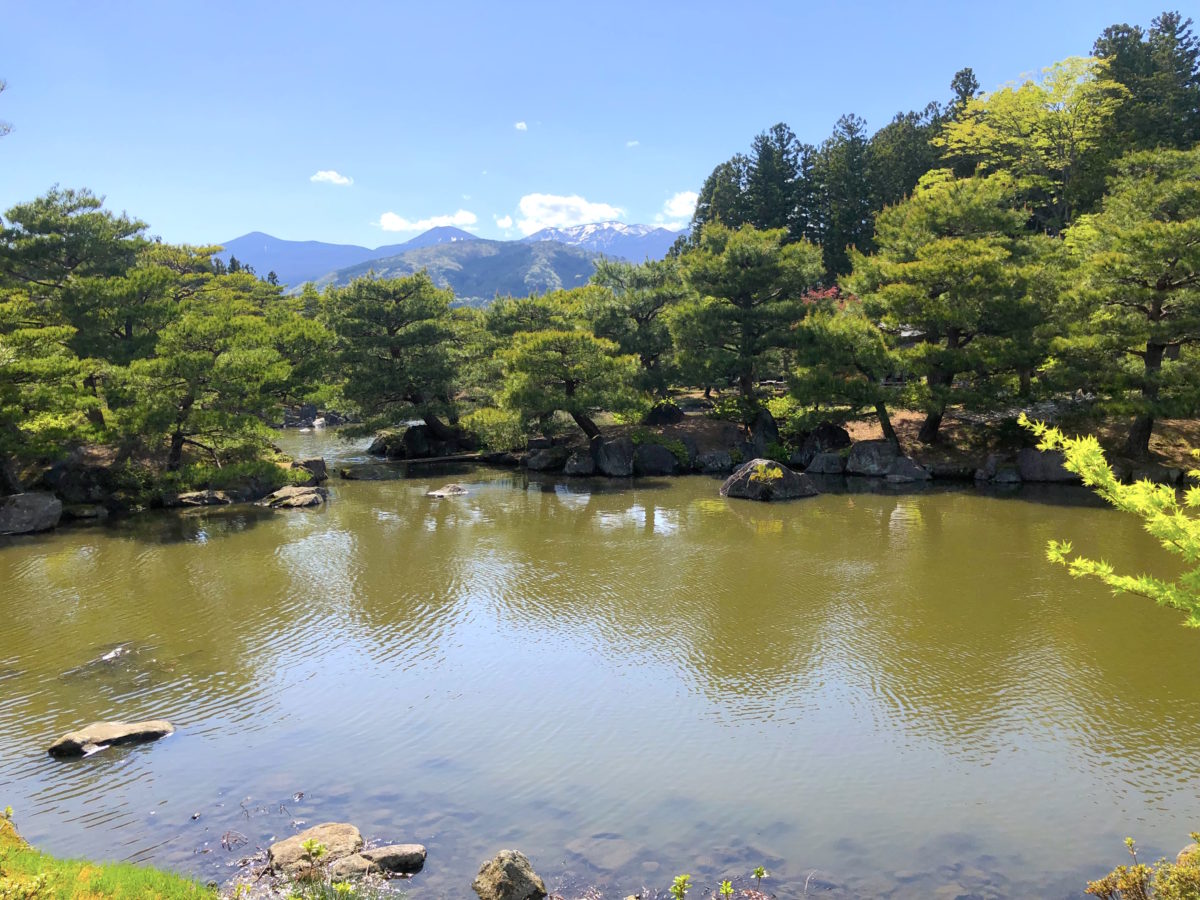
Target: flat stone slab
294,497
339,839
449,490
99,735
400,859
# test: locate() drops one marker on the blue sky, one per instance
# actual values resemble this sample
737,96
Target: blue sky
211,120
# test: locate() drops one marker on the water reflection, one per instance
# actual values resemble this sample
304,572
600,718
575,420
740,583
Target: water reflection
626,680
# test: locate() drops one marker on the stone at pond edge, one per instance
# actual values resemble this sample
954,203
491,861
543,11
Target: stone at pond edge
905,470
827,464
401,859
580,463
509,876
105,734
293,497
202,498
448,490
765,479
714,462
824,438
1188,856
654,459
550,459
287,857
613,457
29,512
1044,465
871,458
353,866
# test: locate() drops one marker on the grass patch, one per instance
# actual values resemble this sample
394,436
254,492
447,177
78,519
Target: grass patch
27,874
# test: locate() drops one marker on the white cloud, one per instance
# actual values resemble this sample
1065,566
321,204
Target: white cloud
520,126
389,221
540,211
504,222
330,176
681,205
632,143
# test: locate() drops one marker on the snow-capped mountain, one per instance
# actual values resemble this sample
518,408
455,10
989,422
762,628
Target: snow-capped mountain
632,242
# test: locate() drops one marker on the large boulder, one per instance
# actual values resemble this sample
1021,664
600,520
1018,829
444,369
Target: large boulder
99,735
654,459
663,413
580,462
613,456
765,479
83,477
1188,856
870,458
822,439
905,470
400,859
509,876
551,459
29,512
1044,465
414,442
827,464
287,857
295,497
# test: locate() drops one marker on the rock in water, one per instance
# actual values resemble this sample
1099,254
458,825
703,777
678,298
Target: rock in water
25,513
548,459
294,497
287,857
765,479
508,877
99,735
449,490
402,859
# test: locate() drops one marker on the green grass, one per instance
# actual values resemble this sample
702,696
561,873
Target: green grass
26,874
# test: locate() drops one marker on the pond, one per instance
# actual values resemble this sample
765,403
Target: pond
877,694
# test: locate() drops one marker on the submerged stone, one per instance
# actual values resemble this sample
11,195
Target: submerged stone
99,735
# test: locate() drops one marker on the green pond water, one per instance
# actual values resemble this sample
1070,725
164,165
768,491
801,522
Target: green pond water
879,694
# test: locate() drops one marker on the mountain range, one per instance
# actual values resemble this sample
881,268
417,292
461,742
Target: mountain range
477,269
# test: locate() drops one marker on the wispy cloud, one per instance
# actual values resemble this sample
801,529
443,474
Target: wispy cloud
632,143
677,211
520,126
540,211
330,176
463,218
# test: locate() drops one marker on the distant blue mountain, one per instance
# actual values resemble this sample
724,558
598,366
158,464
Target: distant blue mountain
296,262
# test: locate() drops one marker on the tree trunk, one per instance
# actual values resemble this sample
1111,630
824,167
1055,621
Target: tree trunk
439,429
586,425
885,422
175,456
1137,444
746,384
933,420
10,483
1026,376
